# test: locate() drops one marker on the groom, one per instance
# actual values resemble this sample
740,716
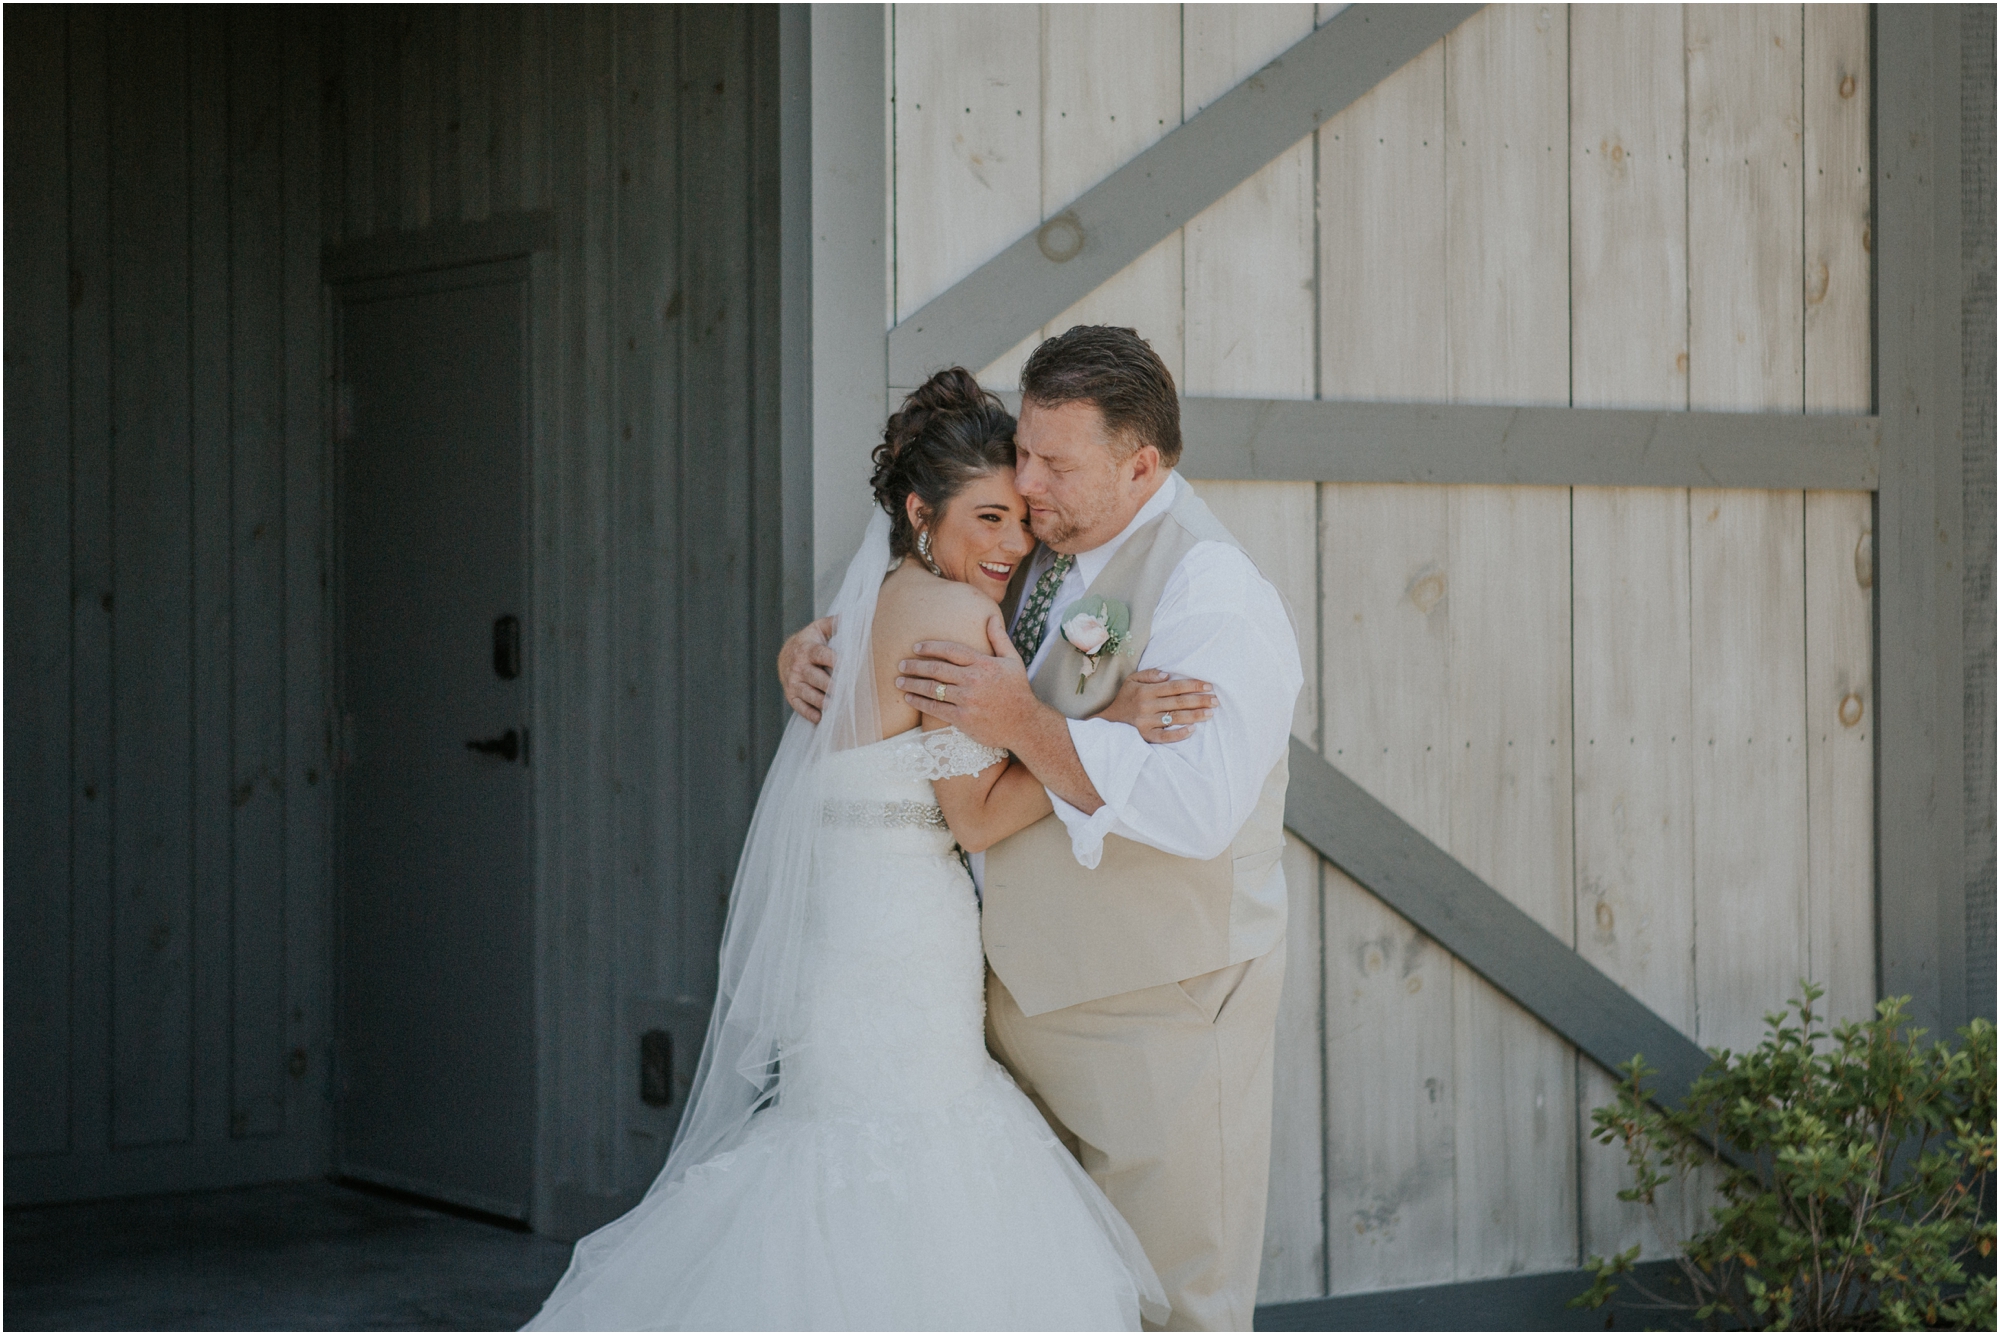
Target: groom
1136,936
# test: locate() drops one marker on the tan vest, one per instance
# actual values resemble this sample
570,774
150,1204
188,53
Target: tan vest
1059,935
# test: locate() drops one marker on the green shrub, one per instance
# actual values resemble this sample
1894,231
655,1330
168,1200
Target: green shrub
1856,1193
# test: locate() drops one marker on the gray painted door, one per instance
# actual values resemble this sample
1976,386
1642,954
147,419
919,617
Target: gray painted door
436,1057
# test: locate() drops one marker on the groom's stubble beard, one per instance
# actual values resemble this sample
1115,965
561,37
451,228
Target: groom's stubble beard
1057,527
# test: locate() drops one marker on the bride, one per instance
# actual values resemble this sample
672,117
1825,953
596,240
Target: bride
851,1157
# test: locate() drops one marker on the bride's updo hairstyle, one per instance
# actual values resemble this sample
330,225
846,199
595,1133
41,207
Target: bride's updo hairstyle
948,432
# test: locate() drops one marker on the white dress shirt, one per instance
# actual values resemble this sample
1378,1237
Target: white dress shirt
1218,620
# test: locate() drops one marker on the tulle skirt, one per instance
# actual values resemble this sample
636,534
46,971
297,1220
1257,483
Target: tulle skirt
962,1215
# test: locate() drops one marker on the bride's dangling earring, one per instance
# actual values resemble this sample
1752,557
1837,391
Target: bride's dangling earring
924,553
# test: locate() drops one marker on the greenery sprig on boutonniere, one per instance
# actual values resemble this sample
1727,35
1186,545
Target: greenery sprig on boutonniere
1095,627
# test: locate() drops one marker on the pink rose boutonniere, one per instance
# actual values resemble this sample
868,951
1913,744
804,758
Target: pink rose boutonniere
1095,627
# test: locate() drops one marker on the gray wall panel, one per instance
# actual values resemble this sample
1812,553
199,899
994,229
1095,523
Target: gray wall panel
38,584
1976,166
175,989
152,1040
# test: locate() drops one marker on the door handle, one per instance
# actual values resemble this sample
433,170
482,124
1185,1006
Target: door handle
507,746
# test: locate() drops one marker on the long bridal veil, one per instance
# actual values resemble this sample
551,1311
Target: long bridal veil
756,1000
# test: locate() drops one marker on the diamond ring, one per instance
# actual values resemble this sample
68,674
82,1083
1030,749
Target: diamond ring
1166,720
938,690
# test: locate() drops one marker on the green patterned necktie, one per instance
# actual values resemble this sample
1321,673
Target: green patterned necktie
1034,620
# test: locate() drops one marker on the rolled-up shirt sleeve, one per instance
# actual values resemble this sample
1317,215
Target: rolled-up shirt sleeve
1222,622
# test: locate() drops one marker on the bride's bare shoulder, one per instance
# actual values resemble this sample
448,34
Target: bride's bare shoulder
922,607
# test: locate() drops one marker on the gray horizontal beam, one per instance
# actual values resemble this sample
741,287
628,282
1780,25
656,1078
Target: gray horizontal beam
1320,440
441,246
1142,203
1478,925
1279,440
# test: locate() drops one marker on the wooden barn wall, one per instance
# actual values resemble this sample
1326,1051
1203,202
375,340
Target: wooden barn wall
1645,715
649,134
166,873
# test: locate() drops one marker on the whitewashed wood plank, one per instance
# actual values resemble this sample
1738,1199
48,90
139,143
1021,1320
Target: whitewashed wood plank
39,761
1390,1131
1839,561
1250,304
1506,205
1633,727
1295,1211
1748,655
1385,710
1383,330
1278,525
1226,44
1746,351
1510,822
1628,207
1838,97
151,954
1634,795
1745,318
967,140
1250,301
1097,115
1840,783
1111,89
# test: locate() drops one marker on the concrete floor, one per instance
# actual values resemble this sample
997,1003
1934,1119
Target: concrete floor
292,1256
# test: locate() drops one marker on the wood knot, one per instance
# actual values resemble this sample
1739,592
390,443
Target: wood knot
1426,590
1850,709
1060,238
1847,86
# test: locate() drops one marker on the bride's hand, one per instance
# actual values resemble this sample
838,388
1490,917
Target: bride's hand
1147,698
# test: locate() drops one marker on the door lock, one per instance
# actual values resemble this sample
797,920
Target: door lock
507,746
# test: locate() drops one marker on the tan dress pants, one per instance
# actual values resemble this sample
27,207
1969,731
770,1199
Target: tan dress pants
1164,1096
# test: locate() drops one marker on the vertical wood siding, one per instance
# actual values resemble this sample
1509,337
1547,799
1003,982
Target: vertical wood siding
166,885
175,176
650,133
1621,206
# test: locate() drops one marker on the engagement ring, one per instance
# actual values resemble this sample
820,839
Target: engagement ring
1166,720
939,691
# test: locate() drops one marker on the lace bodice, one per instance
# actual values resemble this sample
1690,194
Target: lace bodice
887,785
894,1000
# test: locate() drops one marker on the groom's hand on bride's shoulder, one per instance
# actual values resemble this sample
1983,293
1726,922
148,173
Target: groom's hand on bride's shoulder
986,695
805,668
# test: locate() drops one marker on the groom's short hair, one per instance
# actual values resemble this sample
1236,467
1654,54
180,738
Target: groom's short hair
1119,372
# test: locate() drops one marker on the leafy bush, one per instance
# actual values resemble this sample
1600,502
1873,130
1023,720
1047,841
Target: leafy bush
1855,1191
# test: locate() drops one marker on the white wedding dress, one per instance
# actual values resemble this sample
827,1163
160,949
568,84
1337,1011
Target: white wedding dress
902,1181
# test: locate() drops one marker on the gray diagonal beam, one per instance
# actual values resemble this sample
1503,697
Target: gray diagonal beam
1478,925
1149,198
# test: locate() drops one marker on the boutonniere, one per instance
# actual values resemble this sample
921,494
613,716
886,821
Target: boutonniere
1095,627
